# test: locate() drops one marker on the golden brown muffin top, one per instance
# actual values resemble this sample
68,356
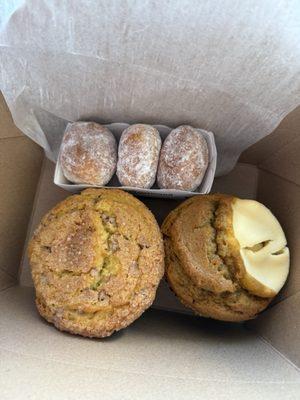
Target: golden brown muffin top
203,261
96,261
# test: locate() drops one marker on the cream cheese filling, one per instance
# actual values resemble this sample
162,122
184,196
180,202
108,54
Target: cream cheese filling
262,243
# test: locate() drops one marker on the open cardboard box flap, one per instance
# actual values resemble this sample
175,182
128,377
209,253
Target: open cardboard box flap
163,354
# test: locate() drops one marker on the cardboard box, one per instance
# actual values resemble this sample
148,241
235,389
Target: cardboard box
163,355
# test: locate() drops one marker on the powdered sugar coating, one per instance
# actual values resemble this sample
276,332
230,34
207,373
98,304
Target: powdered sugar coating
183,159
88,153
139,149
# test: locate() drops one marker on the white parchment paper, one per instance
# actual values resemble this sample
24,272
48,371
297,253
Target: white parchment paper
231,67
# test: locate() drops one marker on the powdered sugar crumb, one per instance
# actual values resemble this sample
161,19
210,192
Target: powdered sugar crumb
139,149
183,160
88,153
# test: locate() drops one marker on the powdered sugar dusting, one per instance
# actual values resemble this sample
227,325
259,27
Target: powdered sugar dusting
139,149
183,159
88,153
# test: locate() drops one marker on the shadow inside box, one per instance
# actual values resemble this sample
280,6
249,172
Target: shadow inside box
171,325
160,207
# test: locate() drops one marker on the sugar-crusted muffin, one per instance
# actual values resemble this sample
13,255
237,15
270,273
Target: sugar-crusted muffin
183,159
88,153
226,258
138,151
96,261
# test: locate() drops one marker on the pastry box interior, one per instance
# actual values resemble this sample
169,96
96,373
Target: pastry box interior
51,79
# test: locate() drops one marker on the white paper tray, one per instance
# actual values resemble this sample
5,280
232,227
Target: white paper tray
117,129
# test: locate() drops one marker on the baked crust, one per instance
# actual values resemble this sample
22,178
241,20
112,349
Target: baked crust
183,159
88,153
96,261
138,152
203,262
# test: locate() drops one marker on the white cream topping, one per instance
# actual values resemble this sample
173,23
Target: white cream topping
262,243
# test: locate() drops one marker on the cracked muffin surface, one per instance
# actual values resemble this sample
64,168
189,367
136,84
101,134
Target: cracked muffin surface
96,261
202,258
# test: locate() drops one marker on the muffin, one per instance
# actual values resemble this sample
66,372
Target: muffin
138,152
96,261
88,153
226,258
183,159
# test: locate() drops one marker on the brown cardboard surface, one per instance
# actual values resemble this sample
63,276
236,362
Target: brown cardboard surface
286,161
20,161
162,355
7,128
280,325
6,280
285,133
241,181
